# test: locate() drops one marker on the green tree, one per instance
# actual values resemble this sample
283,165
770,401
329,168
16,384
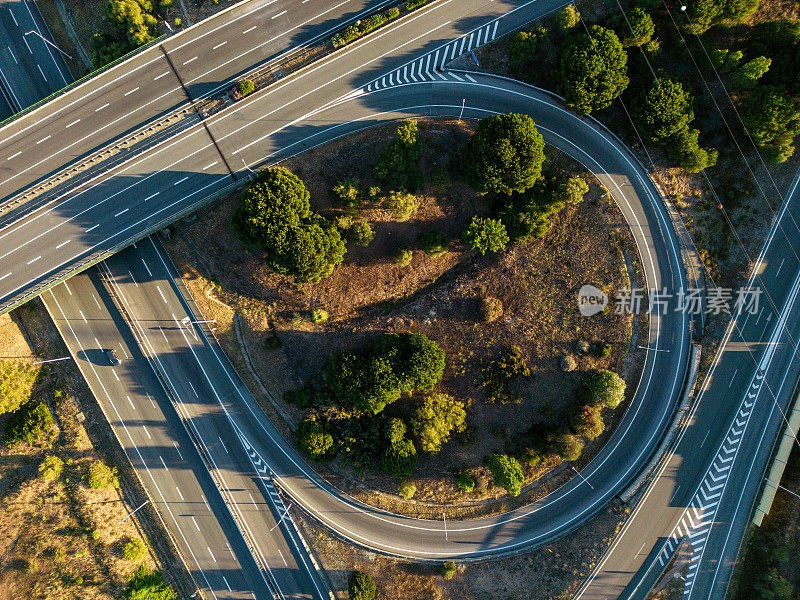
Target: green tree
395,430
635,27
592,69
407,490
604,388
702,14
773,119
507,473
576,189
505,154
435,418
361,586
402,255
107,48
568,17
663,109
568,446
101,476
362,233
136,18
398,163
149,585
532,213
274,215
347,192
50,468
587,420
28,424
746,76
313,439
522,47
486,235
686,146
16,383
399,458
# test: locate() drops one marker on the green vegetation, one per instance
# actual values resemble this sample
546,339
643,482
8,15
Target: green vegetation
505,154
274,215
319,315
347,193
746,76
604,388
575,190
587,420
402,255
530,214
635,27
398,164
16,383
434,243
402,204
364,27
449,569
101,476
773,120
395,364
500,374
568,17
362,233
399,458
360,586
465,481
29,424
435,419
313,439
134,550
149,585
507,473
406,490
486,235
522,47
50,468
592,69
568,446
245,87
135,23
415,4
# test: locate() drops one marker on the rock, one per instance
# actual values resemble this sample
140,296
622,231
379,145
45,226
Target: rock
567,363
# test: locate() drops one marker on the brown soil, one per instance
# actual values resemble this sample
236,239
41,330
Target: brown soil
62,539
552,572
536,281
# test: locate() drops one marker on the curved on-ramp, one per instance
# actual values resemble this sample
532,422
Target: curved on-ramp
656,394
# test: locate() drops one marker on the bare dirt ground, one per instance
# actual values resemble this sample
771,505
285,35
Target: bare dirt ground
368,293
62,539
552,572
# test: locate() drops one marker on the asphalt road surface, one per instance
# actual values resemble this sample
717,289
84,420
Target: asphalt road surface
146,425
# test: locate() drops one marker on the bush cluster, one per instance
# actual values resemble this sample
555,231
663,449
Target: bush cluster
135,23
398,164
364,27
29,424
501,372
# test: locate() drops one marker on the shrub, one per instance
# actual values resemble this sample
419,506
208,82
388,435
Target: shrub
592,70
505,154
101,476
245,87
347,192
360,586
273,342
568,446
363,27
107,48
50,468
399,458
501,372
568,17
313,439
576,189
587,421
134,550
402,205
449,569
29,424
274,215
486,235
507,473
415,4
95,534
746,76
407,490
149,585
178,22
319,315
16,382
465,480
362,233
532,212
435,418
398,163
434,243
491,309
402,255
522,47
635,27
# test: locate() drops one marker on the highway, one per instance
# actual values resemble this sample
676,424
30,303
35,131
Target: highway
705,490
144,422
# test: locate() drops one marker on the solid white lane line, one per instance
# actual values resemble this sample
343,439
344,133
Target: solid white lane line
30,262
82,316
223,445
178,450
75,122
115,375
14,155
148,268
181,180
131,91
122,212
13,17
193,390
195,524
106,105
249,30
93,227
219,45
158,287
151,196
207,167
44,139
157,77
147,432
177,489
62,244
211,553
280,14
4,276
190,60
12,55
66,287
